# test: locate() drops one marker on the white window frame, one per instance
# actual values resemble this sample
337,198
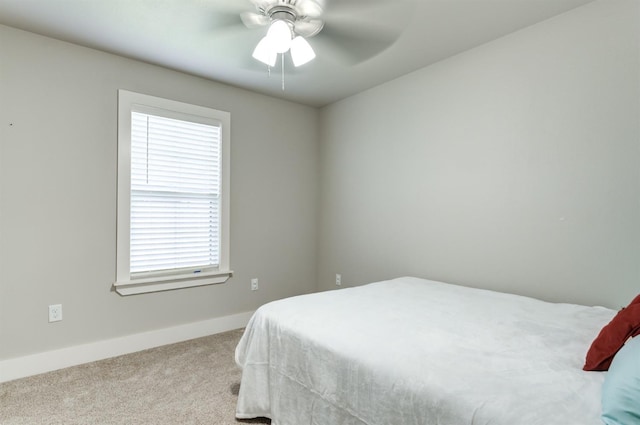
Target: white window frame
126,284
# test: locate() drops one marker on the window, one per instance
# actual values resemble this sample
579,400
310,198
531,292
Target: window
173,195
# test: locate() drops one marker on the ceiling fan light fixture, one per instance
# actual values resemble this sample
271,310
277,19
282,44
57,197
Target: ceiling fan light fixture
279,36
301,51
265,53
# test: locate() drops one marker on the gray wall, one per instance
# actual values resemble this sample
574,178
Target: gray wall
58,106
514,166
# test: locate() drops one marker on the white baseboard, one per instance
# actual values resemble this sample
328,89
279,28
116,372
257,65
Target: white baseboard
48,361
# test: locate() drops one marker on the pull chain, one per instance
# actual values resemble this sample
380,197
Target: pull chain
269,70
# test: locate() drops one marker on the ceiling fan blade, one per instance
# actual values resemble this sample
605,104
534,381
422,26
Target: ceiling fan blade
355,42
254,20
311,8
346,51
357,30
350,8
308,28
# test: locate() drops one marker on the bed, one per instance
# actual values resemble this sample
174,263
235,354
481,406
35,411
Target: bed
411,351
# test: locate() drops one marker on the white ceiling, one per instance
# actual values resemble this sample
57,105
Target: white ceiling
206,37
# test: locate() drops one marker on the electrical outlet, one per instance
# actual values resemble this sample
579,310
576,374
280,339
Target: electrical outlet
254,284
55,313
338,279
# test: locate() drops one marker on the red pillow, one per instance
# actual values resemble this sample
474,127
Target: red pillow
636,300
612,337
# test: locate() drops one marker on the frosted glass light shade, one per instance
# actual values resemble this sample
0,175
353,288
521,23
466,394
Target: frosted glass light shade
301,51
264,53
279,36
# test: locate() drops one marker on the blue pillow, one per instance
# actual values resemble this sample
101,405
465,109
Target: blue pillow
621,388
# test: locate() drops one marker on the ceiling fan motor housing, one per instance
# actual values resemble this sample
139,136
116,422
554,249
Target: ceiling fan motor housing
303,16
283,13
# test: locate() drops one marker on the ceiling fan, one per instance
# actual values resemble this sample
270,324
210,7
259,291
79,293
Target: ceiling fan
350,31
290,22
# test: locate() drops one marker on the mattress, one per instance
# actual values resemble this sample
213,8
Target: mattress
411,351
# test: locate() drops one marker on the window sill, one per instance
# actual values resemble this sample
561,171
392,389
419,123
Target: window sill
168,283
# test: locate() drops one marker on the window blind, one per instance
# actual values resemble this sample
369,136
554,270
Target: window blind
175,194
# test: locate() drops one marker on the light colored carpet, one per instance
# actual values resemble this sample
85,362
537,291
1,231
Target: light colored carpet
192,382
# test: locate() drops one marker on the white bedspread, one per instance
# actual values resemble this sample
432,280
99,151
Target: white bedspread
412,351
